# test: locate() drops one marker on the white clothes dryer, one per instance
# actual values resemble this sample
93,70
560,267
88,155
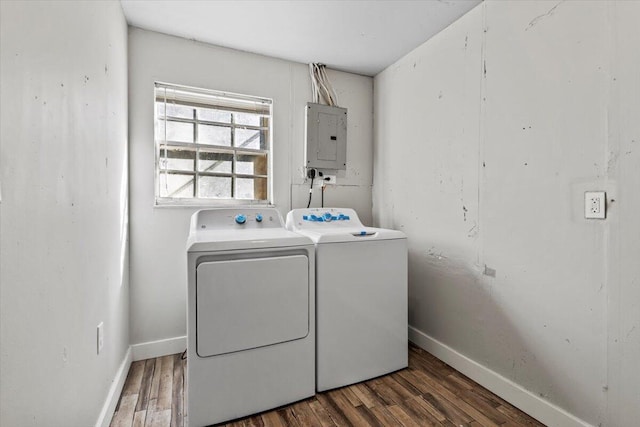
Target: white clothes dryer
361,296
250,315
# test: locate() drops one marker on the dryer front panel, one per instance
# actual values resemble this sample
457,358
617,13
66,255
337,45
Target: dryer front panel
248,303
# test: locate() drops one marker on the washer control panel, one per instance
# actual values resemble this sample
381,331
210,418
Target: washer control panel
326,217
315,218
238,218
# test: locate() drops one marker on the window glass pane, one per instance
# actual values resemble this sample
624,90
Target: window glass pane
214,135
251,188
213,115
250,138
248,119
179,132
214,187
160,109
205,139
176,185
177,158
159,129
214,162
251,164
181,111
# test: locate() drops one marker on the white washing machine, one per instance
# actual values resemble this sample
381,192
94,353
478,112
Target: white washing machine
250,315
361,296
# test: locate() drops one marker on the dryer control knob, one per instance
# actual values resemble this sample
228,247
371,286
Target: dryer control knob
241,219
327,216
259,217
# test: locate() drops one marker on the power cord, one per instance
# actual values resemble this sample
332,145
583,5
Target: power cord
324,186
311,173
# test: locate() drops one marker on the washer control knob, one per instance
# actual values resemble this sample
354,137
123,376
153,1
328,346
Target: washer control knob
241,219
259,217
327,216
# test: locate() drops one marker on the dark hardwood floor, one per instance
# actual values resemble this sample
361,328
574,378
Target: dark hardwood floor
428,393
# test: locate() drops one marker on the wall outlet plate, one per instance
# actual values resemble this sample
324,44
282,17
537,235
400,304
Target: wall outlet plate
330,179
595,205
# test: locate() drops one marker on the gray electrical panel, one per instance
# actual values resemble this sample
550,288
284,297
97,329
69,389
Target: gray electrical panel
326,130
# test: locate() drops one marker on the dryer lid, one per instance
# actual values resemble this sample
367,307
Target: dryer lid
227,240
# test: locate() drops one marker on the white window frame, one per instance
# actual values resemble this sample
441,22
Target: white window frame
224,101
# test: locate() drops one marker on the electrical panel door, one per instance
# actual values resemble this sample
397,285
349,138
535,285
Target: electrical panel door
326,129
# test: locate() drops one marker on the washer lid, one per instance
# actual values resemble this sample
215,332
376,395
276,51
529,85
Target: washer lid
334,225
363,234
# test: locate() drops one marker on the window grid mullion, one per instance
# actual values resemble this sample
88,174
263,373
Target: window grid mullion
217,148
166,175
196,186
235,156
218,174
219,124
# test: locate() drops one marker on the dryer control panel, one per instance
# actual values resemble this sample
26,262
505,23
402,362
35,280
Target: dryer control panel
236,218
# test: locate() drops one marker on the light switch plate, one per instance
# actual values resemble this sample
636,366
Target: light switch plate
595,205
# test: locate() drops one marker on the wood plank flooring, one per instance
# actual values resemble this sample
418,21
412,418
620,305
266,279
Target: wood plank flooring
427,393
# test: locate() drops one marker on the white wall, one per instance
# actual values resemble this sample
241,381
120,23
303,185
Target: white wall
158,258
623,268
486,138
63,219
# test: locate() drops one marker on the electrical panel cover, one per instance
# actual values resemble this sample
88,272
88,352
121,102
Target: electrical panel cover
326,130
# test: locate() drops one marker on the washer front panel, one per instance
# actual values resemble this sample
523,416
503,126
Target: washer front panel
361,291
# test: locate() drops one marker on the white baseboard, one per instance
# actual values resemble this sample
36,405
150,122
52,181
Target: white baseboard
109,407
515,394
136,352
151,349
